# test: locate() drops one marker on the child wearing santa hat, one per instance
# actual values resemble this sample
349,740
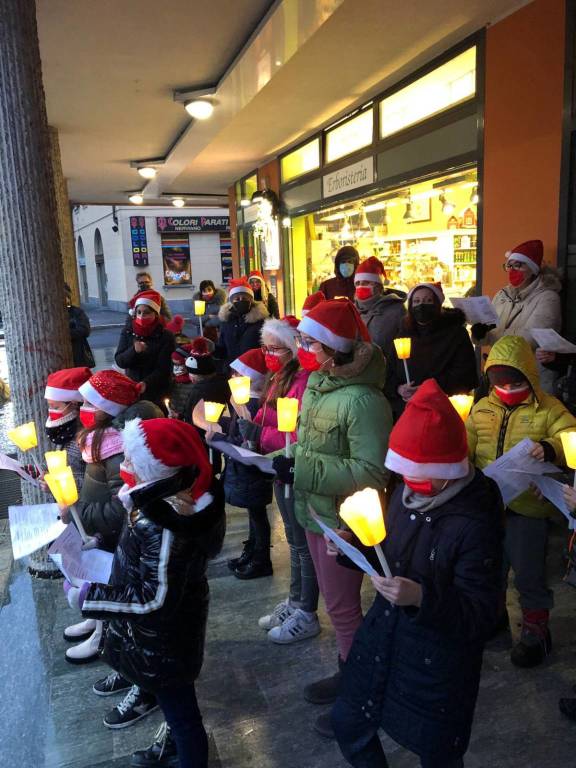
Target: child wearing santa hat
381,310
414,667
241,319
206,383
311,301
181,384
157,599
342,439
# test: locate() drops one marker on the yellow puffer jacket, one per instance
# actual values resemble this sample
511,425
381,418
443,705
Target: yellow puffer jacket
493,428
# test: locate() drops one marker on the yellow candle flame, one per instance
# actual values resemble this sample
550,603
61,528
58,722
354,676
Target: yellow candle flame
403,347
63,487
199,307
56,461
463,404
287,409
24,436
569,445
363,513
240,388
213,411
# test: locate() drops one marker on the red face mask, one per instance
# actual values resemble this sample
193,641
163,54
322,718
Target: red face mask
143,326
87,417
512,396
128,477
308,360
273,362
56,415
424,487
516,277
364,292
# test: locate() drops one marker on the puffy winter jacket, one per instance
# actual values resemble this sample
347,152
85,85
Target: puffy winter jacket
153,366
157,599
415,671
271,439
239,334
382,315
493,428
179,394
342,436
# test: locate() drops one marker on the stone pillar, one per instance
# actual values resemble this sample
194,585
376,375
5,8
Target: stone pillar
31,275
67,244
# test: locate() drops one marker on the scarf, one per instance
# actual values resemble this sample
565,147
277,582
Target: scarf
425,504
111,445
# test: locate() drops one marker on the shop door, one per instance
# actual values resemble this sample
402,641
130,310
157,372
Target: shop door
102,283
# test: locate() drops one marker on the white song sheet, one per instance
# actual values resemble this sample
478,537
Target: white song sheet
478,309
32,527
6,462
551,341
346,548
80,565
513,470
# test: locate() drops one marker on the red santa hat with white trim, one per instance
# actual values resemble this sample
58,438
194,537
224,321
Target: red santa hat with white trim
371,269
150,299
239,285
63,385
281,331
311,301
436,289
256,275
252,363
336,324
110,391
530,253
429,440
160,448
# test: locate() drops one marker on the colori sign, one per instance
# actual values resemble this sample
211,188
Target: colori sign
193,223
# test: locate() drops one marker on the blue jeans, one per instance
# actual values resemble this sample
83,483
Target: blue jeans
182,714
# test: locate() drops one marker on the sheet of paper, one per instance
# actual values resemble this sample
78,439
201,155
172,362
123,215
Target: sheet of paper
32,527
513,470
243,455
346,548
478,309
80,565
551,341
6,462
554,492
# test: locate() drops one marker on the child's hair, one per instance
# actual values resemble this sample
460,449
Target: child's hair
281,384
340,358
103,421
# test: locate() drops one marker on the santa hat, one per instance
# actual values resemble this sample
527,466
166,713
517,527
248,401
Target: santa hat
282,332
530,253
110,391
159,448
239,285
311,301
200,360
252,364
175,325
371,269
63,385
336,324
429,440
436,289
181,353
256,275
150,299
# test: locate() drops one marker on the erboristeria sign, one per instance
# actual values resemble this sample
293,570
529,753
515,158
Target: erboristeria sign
356,175
193,223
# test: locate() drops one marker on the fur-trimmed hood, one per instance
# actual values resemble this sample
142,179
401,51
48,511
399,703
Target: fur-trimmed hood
549,279
256,314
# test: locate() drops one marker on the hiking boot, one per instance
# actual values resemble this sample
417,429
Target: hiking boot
277,617
535,641
298,626
162,752
244,559
133,707
111,684
257,567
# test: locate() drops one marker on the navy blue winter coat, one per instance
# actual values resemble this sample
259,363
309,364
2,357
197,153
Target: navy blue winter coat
415,672
238,334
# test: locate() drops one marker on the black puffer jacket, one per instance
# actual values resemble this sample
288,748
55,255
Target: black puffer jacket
154,366
157,599
415,672
239,334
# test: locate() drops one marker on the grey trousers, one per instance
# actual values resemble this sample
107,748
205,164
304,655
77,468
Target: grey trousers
303,583
525,551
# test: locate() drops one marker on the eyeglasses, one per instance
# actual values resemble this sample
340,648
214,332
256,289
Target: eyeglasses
508,265
274,350
305,343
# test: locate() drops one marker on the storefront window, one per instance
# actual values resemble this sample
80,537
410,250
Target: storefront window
301,161
422,233
350,136
444,87
176,259
250,186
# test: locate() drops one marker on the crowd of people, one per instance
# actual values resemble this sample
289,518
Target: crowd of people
138,444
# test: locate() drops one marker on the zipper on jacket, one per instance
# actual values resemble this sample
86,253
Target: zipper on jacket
503,427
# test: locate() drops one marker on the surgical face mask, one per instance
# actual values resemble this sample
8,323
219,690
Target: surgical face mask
516,277
207,295
308,360
274,363
88,416
242,306
424,313
364,292
346,269
514,396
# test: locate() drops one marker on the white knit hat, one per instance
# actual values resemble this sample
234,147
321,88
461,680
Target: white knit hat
283,331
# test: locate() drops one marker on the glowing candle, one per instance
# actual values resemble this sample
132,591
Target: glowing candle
63,487
463,404
213,411
56,461
240,388
569,446
363,513
403,349
199,307
287,410
24,436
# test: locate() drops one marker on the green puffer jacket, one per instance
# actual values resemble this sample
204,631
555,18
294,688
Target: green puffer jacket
342,436
493,428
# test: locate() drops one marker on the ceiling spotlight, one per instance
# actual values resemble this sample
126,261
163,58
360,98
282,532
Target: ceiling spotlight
245,202
474,197
178,202
136,199
286,222
278,63
447,207
199,109
147,172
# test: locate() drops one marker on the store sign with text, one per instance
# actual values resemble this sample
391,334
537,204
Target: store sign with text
351,177
193,223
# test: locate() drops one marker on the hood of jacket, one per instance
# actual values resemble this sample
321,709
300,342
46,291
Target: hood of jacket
516,352
218,298
257,313
337,261
367,367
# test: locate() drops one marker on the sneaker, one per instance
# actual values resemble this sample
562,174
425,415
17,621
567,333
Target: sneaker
87,651
162,752
111,684
133,707
277,617
296,627
79,632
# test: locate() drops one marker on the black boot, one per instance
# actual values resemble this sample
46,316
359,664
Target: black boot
535,641
323,726
257,567
161,754
324,691
238,562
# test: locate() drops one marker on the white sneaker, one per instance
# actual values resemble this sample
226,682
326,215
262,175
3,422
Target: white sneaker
80,631
277,617
88,650
296,627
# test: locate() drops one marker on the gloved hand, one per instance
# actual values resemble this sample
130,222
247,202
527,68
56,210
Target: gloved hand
76,595
284,469
249,431
479,330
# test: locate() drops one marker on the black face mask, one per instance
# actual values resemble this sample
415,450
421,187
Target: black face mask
62,434
241,307
144,287
424,313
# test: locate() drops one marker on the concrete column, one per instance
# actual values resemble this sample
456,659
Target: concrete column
31,275
67,245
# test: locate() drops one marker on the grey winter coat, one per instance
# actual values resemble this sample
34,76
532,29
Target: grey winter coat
382,315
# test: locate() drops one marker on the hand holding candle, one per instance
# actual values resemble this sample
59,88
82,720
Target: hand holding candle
403,348
463,404
363,513
212,412
287,410
240,388
25,438
63,487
